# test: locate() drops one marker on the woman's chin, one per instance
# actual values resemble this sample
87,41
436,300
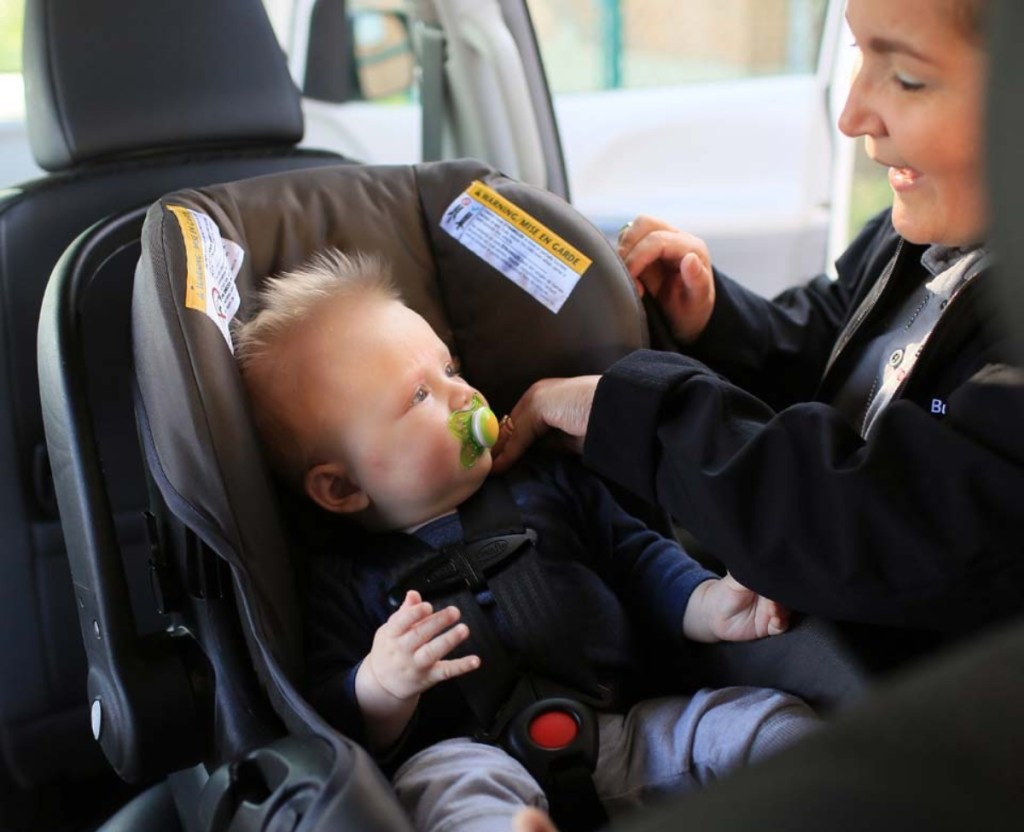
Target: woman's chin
914,226
916,223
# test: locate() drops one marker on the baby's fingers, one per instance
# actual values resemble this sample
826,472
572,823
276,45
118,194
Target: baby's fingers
412,611
425,629
778,618
451,668
439,647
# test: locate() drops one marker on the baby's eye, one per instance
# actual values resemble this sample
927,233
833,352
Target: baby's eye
451,369
420,394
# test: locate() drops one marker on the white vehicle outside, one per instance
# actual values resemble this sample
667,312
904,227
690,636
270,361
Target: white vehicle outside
715,115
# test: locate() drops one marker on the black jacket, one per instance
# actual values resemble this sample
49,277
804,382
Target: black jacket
921,526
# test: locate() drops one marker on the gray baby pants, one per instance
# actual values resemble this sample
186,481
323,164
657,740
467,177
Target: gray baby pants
660,747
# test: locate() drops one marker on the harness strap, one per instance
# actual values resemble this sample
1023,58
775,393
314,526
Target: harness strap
550,645
460,567
498,554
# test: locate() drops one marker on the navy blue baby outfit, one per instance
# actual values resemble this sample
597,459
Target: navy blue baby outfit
615,580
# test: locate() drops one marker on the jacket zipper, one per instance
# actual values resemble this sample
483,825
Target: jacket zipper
934,339
863,310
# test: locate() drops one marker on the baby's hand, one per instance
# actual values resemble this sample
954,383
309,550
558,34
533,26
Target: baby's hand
406,659
408,650
725,610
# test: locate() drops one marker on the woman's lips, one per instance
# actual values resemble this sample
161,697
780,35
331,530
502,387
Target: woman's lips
903,179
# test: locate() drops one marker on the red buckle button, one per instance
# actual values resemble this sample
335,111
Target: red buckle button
553,730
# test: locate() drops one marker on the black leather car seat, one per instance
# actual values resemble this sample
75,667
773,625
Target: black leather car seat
124,103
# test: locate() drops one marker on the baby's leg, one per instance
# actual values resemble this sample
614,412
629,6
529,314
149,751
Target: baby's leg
466,786
670,745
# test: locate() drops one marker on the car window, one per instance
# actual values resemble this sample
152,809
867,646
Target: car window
383,50
592,45
870,191
12,97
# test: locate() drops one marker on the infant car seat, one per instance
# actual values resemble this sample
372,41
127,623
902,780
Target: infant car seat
522,289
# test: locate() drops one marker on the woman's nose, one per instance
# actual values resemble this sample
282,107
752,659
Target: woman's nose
859,117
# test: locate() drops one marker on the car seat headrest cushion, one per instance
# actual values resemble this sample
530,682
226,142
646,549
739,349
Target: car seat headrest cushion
105,83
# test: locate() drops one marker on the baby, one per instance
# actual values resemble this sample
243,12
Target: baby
361,407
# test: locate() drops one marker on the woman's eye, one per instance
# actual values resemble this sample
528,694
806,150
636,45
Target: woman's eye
420,394
908,84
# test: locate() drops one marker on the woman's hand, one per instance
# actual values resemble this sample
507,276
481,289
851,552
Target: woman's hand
675,268
561,404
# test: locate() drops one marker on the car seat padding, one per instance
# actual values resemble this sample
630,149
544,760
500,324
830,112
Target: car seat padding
203,446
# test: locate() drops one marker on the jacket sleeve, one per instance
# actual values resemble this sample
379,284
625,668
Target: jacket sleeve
339,634
651,574
777,349
920,526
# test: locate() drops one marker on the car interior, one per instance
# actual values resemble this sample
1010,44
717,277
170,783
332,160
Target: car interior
150,578
237,115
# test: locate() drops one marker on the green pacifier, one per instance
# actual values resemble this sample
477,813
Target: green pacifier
476,428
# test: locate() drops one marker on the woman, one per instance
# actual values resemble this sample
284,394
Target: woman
850,448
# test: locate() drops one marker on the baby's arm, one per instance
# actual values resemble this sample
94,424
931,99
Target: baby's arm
406,659
725,610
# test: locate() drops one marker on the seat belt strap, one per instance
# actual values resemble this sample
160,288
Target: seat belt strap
523,595
431,41
497,553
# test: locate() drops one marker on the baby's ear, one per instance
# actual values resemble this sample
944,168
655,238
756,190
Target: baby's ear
329,486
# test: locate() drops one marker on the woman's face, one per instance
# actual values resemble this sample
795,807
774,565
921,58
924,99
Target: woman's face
917,98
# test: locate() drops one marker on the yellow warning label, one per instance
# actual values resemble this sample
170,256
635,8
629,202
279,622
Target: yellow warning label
533,228
195,281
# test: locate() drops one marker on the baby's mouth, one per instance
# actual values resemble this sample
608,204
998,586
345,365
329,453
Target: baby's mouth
476,428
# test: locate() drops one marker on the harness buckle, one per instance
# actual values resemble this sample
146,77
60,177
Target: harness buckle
462,566
552,736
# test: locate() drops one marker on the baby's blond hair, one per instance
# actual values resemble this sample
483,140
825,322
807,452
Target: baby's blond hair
289,299
286,303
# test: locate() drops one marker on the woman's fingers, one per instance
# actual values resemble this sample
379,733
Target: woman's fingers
637,229
561,404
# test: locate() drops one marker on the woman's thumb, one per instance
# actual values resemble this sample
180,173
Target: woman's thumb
691,269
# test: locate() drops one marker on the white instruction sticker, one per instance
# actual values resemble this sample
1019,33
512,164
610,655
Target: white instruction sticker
527,252
213,265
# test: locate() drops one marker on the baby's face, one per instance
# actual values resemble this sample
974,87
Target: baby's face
382,387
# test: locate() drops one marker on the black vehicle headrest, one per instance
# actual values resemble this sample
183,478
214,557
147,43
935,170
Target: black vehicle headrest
106,78
202,443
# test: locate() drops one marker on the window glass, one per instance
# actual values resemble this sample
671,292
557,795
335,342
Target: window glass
606,44
870,191
383,59
12,96
384,53
280,14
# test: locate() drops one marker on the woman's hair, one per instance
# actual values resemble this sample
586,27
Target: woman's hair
971,17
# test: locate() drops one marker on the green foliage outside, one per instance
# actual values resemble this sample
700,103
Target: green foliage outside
870,191
11,15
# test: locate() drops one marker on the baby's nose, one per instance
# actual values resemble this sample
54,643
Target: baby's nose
461,397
